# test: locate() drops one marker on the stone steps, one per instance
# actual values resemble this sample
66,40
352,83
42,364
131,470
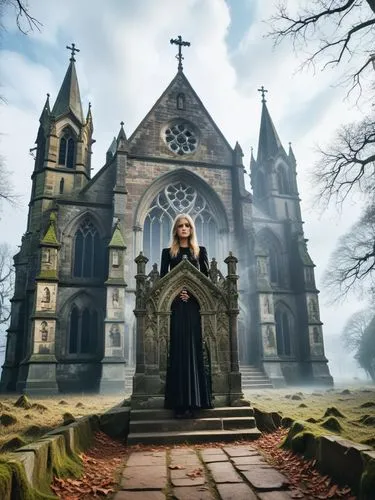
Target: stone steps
253,378
218,424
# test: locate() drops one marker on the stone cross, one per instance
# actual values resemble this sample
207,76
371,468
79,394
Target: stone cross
263,92
73,49
178,41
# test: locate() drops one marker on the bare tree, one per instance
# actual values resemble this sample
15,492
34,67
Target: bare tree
352,263
24,20
366,351
352,333
6,186
337,30
348,164
6,281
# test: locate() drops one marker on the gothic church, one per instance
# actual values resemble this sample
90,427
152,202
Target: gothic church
72,321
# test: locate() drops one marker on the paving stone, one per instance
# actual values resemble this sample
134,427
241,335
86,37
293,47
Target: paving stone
139,495
265,478
140,458
239,491
223,472
180,477
215,458
251,460
182,451
239,451
189,460
144,477
246,467
211,451
193,493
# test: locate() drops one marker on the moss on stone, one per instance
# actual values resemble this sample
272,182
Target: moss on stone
332,411
287,421
7,419
367,484
5,482
62,464
68,418
13,443
23,402
18,488
368,404
36,431
332,424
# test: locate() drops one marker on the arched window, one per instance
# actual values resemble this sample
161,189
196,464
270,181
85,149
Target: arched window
67,150
283,332
87,261
61,189
283,181
83,328
276,268
174,199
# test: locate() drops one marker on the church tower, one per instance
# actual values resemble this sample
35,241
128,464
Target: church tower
291,347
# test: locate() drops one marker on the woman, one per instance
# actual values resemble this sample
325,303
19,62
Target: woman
188,386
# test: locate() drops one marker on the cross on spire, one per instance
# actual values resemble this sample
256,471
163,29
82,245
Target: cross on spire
73,49
178,41
263,92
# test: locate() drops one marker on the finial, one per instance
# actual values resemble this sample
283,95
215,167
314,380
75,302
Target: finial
89,105
73,49
178,41
47,95
263,92
122,123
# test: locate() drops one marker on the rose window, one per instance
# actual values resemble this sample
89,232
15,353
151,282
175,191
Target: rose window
181,139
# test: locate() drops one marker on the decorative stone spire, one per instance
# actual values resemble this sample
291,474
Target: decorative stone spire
238,153
112,149
117,241
269,143
122,141
292,158
46,112
50,237
69,99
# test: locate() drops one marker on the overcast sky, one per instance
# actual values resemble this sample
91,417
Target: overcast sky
126,61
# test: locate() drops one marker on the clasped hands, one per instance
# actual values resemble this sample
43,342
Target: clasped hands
184,296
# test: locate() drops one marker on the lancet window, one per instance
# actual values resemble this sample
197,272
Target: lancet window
83,331
283,332
67,150
87,251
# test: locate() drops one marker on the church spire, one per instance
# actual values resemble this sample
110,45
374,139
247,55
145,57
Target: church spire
45,112
122,141
69,99
269,143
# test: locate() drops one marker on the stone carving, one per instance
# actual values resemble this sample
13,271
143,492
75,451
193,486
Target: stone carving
313,309
115,258
46,255
46,295
267,305
270,337
115,336
116,298
316,335
43,349
44,331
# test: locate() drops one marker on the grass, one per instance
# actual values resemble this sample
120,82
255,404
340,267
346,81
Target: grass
46,414
352,408
355,405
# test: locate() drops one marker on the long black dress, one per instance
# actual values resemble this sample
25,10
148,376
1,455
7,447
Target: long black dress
188,384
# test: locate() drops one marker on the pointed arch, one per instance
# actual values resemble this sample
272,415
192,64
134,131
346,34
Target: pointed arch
285,324
83,326
173,193
87,251
271,243
67,148
283,181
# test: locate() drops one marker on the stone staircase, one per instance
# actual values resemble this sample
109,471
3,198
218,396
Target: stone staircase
154,426
129,372
253,378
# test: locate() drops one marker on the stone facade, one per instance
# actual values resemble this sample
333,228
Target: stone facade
72,324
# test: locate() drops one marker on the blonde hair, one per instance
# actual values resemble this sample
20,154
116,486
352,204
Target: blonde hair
193,242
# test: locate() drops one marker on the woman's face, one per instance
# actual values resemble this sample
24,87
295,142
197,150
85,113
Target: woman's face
183,229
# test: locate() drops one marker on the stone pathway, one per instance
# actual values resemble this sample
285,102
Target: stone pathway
233,472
